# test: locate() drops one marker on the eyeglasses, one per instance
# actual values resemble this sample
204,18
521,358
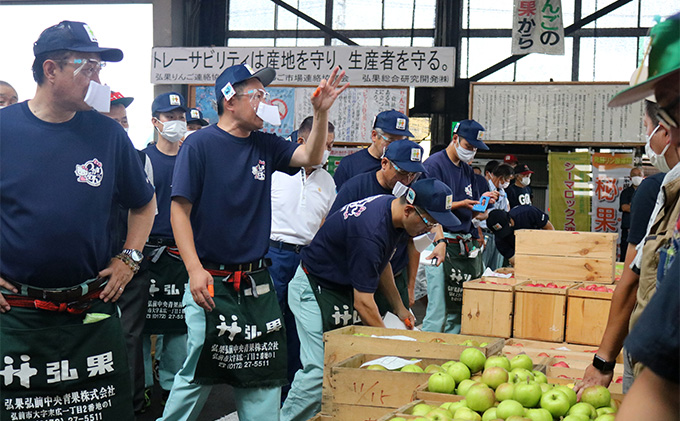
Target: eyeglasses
409,175
388,140
428,224
87,66
257,94
664,115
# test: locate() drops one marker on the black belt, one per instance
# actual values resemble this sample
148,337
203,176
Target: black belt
160,241
285,246
69,295
241,267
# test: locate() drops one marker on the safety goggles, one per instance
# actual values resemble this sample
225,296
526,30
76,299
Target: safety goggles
428,224
86,66
409,175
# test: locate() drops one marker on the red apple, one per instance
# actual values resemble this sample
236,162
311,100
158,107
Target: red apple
561,364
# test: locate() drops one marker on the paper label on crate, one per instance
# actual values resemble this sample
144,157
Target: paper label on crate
489,272
392,321
390,363
397,337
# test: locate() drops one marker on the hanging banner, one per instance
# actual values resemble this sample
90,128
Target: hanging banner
537,27
569,189
611,175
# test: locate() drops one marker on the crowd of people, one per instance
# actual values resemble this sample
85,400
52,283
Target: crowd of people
235,250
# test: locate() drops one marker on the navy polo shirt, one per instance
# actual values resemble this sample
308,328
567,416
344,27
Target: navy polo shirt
525,217
360,187
462,182
357,163
518,196
642,206
58,186
228,181
354,245
626,198
163,166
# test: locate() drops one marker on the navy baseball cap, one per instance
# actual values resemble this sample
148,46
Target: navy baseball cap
392,122
522,168
405,154
499,222
238,73
436,198
73,36
118,98
293,137
167,102
471,131
195,115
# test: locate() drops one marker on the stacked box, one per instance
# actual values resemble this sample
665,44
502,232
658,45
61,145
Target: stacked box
488,307
540,311
587,314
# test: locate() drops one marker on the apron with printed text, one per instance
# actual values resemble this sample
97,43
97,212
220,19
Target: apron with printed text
336,305
401,282
459,268
168,280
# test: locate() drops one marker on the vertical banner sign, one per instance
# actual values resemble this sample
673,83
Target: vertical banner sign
611,174
537,27
569,189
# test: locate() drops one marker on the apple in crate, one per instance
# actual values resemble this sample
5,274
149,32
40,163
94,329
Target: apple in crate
598,396
441,383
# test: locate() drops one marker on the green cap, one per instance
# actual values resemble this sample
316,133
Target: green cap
664,60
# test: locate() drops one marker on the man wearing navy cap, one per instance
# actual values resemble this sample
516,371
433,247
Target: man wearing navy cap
401,163
195,120
519,192
64,169
504,224
461,243
346,262
388,126
221,220
118,109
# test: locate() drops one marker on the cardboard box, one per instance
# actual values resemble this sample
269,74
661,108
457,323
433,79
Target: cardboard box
540,311
488,306
544,255
587,315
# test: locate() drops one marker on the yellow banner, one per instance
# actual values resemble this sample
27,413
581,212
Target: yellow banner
569,190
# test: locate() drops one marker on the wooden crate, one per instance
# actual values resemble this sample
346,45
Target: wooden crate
321,417
544,255
345,412
405,411
587,315
487,307
353,385
514,346
540,312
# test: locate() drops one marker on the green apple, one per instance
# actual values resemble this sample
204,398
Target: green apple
545,387
509,407
576,417
605,410
453,406
464,386
494,376
583,408
528,394
521,361
556,402
519,374
505,391
480,397
606,417
420,409
539,414
447,364
420,419
412,368
516,418
498,361
398,419
433,368
458,371
441,383
539,377
376,367
598,396
467,414
473,358
439,414
569,392
490,414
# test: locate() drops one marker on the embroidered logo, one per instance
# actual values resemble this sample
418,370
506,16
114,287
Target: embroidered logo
401,124
449,201
356,208
258,170
195,114
174,100
468,190
415,154
90,172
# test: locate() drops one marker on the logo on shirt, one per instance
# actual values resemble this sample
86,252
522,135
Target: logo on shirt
90,172
258,170
468,190
356,208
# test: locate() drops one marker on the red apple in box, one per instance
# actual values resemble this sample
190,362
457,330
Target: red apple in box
619,380
561,364
543,354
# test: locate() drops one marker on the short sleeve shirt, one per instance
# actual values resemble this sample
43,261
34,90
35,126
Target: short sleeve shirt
518,196
228,181
59,183
525,217
163,166
642,206
357,163
626,198
354,245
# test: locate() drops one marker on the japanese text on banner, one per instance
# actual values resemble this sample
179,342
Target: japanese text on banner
537,27
569,190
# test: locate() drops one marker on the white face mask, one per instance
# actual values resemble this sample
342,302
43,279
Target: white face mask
526,180
126,129
269,113
658,160
464,154
636,180
422,242
326,154
98,97
505,185
174,131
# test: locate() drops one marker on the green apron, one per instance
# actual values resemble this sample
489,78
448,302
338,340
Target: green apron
336,305
168,280
459,268
245,339
401,281
54,366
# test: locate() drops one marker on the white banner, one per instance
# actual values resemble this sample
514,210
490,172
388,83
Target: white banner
537,27
306,66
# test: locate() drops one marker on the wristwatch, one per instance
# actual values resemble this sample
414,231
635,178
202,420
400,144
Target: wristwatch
603,365
441,240
135,255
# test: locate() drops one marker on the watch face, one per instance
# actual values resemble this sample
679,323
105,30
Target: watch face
135,255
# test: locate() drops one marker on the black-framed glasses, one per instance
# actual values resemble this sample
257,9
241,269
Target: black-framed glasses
428,224
664,115
409,175
86,66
